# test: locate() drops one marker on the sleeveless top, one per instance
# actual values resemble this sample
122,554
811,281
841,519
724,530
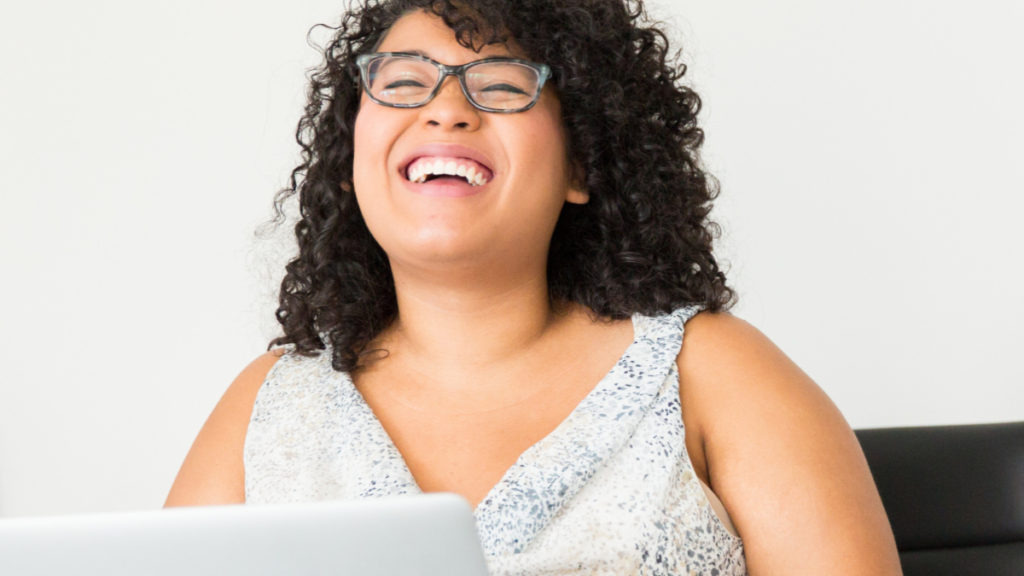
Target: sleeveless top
610,491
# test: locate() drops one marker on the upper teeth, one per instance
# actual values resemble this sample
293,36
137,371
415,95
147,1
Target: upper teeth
474,173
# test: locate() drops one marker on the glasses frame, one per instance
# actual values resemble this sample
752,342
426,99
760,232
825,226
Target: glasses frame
363,61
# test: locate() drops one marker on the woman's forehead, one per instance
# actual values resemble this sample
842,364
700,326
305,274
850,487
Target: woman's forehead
425,34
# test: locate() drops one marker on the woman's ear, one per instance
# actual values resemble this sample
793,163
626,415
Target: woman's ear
577,193
577,196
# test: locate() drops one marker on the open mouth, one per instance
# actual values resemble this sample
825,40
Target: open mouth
447,169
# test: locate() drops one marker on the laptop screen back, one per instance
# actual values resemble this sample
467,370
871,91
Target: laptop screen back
409,535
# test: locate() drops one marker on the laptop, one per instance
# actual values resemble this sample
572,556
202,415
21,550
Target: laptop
422,535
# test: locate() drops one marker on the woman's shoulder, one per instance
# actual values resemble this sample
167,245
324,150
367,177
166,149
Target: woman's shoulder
777,451
712,338
729,374
213,471
245,387
253,375
729,369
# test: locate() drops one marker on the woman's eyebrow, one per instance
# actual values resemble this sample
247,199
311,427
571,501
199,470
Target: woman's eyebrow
416,52
419,52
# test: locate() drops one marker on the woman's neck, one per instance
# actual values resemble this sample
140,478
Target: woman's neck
460,331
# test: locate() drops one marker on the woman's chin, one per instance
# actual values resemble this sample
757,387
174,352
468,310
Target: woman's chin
446,254
438,251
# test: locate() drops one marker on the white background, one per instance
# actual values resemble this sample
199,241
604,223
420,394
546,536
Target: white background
869,155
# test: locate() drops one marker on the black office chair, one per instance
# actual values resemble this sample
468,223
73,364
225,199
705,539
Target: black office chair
954,496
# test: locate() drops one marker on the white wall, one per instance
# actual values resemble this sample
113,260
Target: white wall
871,193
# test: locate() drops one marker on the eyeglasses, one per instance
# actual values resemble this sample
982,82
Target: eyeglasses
405,80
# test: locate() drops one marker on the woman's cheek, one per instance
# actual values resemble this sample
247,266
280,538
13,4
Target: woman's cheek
369,170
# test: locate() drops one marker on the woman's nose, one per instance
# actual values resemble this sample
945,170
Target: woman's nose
450,108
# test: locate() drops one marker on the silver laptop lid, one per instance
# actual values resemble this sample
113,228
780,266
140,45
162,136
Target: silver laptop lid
432,534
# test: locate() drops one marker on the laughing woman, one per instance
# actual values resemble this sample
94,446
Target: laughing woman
505,288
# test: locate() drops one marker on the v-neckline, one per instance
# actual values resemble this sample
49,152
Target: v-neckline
396,454
551,470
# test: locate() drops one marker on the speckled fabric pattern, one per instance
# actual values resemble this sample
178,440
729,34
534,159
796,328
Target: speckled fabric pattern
610,491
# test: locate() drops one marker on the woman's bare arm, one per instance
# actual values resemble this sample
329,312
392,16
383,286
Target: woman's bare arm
780,456
213,471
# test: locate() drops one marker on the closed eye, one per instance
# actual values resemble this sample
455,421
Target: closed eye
401,83
504,87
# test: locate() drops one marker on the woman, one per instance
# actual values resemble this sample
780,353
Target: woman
494,275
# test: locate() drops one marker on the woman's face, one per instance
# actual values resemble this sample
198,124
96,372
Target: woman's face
507,220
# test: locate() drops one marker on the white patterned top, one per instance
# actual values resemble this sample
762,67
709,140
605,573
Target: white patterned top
610,491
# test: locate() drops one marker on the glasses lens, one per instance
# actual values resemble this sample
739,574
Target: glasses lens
502,85
401,79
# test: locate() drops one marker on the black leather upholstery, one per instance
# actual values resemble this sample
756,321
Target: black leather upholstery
954,496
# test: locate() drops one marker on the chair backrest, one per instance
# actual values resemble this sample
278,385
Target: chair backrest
954,496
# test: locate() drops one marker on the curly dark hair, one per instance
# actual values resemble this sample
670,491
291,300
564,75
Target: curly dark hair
643,242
